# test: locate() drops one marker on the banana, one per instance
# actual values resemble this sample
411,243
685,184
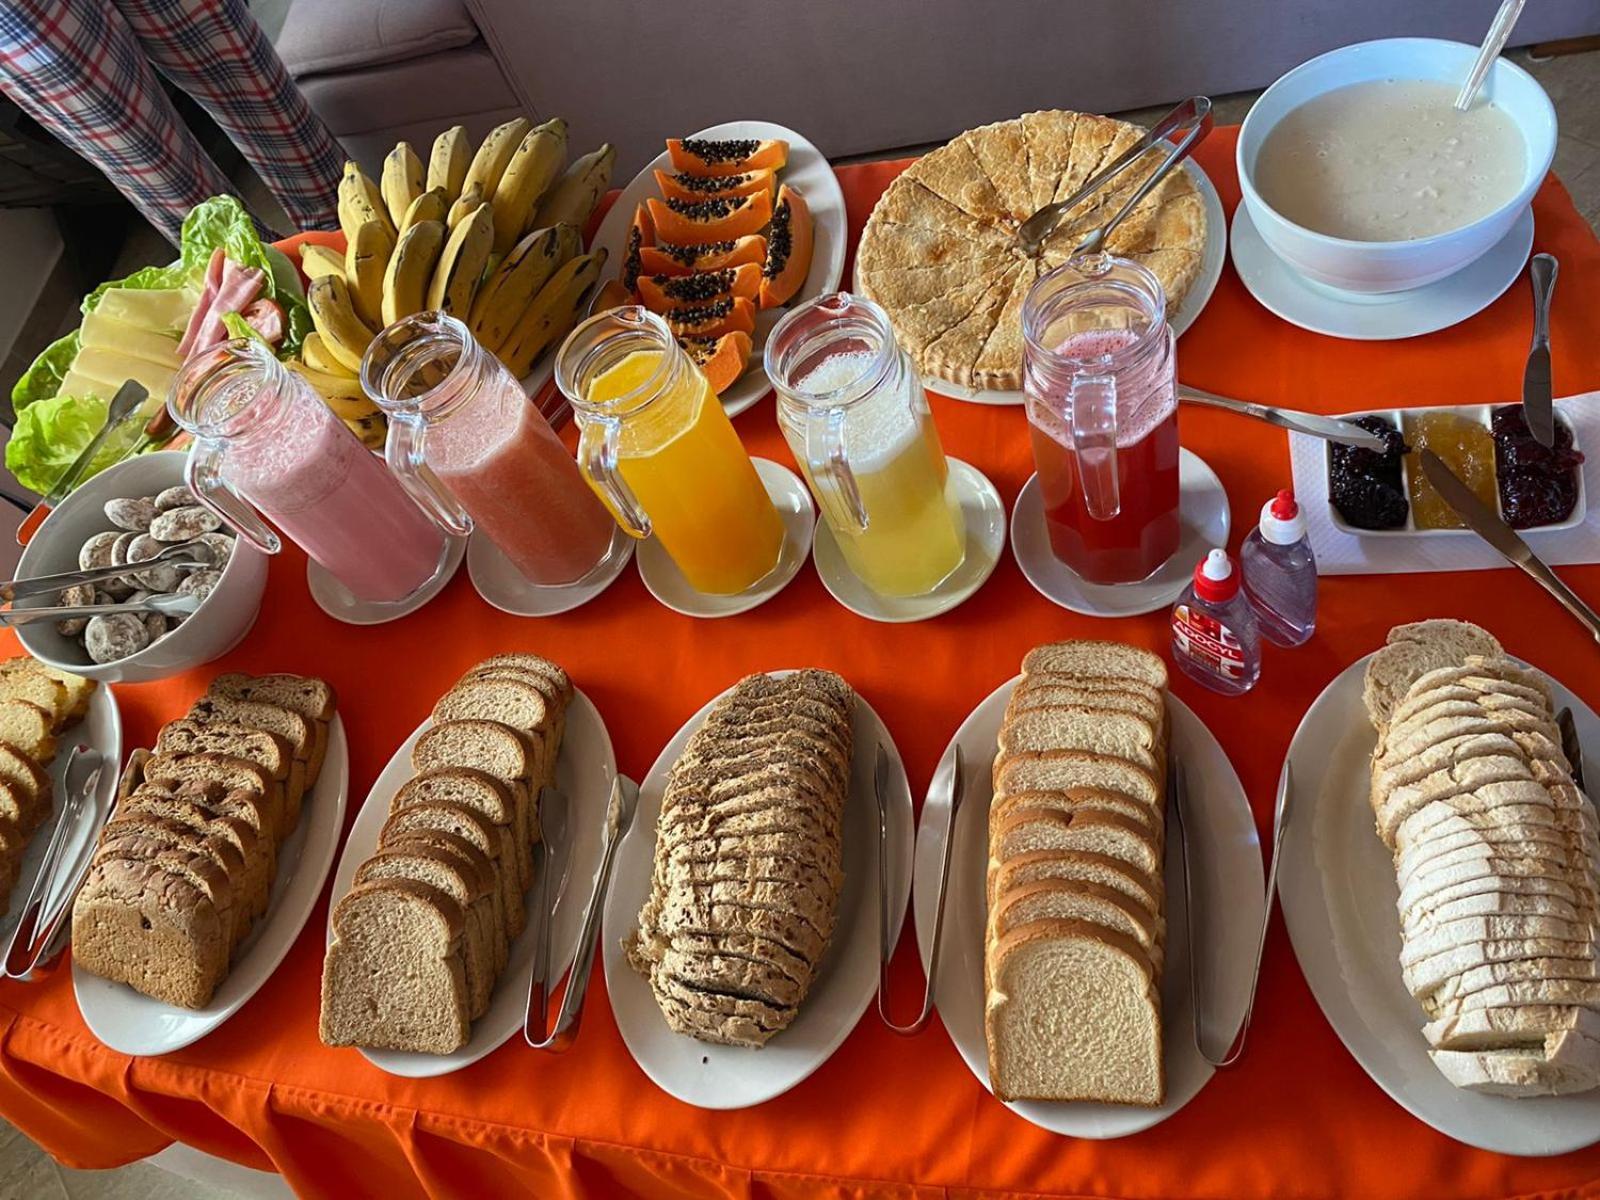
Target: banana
372,429
364,264
330,386
533,168
574,197
402,181
511,287
344,335
461,264
318,260
447,164
553,313
314,350
360,201
430,206
405,284
489,163
466,204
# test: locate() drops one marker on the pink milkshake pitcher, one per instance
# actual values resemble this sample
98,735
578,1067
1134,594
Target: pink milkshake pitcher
267,445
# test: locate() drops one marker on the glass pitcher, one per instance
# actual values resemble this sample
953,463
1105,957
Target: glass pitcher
474,451
852,408
657,447
263,437
1098,367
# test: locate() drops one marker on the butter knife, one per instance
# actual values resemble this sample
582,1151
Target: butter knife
1536,401
1332,429
1486,523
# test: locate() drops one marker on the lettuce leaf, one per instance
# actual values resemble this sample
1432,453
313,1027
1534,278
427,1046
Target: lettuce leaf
50,433
238,327
43,378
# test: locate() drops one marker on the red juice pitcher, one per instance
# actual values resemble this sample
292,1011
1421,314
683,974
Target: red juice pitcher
1098,369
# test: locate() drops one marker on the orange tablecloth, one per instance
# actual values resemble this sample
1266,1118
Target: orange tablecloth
886,1116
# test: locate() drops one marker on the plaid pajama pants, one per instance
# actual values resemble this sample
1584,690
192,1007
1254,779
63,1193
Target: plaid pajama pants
83,69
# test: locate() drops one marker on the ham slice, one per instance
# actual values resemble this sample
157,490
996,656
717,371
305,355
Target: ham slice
208,295
236,290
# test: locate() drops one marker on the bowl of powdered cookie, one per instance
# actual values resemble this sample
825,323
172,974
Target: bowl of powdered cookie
199,595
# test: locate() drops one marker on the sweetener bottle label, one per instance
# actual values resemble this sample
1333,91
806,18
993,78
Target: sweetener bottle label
1207,641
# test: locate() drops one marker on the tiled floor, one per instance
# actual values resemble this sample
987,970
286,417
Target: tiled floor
26,1173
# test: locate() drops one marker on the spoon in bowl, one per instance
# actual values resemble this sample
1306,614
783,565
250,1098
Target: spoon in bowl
1493,42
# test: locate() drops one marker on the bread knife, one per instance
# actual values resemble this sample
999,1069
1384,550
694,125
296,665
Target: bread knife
1486,523
1537,406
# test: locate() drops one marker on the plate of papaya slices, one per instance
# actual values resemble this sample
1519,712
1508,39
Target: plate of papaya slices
721,234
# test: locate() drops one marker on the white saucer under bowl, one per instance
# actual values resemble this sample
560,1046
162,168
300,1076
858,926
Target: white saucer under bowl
1202,514
1384,317
336,600
509,590
793,501
985,514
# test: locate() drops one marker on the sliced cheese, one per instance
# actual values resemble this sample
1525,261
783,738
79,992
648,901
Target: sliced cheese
162,310
108,333
111,368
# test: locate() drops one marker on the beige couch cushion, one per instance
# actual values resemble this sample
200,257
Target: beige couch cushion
322,37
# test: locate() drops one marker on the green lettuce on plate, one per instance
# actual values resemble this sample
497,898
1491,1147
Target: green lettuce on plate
50,435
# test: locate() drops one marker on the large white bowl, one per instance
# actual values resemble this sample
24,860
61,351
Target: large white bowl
215,628
1375,267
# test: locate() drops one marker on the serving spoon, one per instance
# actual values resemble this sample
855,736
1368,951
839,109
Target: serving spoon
1493,42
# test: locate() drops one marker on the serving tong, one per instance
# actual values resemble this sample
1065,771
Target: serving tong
34,939
174,605
620,808
880,782
1192,120
124,406
180,556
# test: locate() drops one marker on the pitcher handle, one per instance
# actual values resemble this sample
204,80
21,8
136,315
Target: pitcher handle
598,446
403,451
835,482
1093,399
203,475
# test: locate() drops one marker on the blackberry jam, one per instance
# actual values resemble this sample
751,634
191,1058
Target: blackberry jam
1366,485
1538,484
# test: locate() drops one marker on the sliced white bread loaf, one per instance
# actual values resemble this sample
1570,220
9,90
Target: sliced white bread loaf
1100,832
1074,900
1071,799
1061,769
1584,993
1412,651
1131,881
1104,660
1035,692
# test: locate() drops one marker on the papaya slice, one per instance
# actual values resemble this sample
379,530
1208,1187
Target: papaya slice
730,156
659,293
677,258
611,295
704,187
714,220
789,246
731,314
641,233
720,359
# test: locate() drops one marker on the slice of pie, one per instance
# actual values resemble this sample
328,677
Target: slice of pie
954,173
952,354
1002,152
1048,136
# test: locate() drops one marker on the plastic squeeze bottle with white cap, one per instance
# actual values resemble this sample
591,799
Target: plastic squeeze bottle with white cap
1215,638
1280,573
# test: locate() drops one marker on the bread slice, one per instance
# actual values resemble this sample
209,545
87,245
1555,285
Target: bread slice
268,751
232,845
1036,691
187,859
1512,972
210,818
496,750
1062,769
1567,1063
530,664
1072,799
28,776
516,705
311,698
394,977
1073,900
1424,917
1100,832
1072,1014
232,774
1113,735
1412,651
17,808
495,841
79,690
307,740
719,1017
1583,993
1426,734
480,872
1138,885
1475,930
1509,1027
42,690
493,798
1108,660
1426,976
29,728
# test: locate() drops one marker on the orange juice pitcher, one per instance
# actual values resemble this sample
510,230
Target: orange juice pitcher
658,449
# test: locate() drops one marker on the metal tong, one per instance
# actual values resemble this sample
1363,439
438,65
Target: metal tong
885,944
1331,429
620,808
552,840
123,407
181,556
38,924
1192,119
167,606
1176,798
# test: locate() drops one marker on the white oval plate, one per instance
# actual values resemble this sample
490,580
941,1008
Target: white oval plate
793,502
333,598
1227,879
100,729
506,588
134,1023
583,772
1337,884
1198,296
809,174
985,515
1377,318
1202,513
720,1077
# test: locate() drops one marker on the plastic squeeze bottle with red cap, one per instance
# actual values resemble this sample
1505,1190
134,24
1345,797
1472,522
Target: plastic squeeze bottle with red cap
1215,638
1280,573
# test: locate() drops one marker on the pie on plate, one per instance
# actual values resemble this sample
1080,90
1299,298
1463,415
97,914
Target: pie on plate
940,253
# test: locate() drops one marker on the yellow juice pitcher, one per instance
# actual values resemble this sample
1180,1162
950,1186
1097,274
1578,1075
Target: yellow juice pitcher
852,409
660,452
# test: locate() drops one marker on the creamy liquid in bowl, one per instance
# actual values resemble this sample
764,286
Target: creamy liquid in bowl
1389,160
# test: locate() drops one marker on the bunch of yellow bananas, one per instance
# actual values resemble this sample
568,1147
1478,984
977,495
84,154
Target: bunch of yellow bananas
491,237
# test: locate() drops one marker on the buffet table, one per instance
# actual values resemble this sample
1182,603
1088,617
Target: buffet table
886,1116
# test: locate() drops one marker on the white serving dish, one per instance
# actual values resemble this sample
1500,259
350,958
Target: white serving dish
809,174
1482,413
724,1077
1367,267
1225,872
584,772
216,627
133,1023
1337,885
